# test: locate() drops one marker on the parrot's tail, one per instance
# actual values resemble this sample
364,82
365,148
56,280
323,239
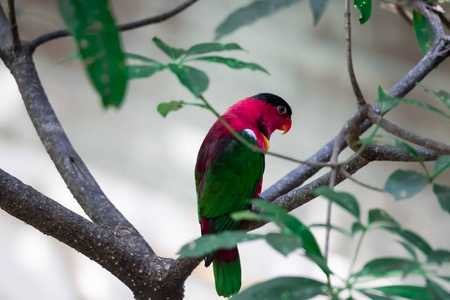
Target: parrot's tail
227,272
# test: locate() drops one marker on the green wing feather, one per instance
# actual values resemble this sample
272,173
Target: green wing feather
230,181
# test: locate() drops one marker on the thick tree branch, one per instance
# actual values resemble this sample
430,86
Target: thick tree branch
128,26
72,169
145,276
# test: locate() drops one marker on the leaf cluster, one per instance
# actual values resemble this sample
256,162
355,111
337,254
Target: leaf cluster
423,262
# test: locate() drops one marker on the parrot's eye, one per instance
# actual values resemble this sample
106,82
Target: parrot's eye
282,109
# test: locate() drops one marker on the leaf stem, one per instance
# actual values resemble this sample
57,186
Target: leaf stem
352,265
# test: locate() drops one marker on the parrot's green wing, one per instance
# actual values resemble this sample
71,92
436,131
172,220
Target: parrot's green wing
231,180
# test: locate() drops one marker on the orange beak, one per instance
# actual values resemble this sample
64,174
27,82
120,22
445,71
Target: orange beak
286,126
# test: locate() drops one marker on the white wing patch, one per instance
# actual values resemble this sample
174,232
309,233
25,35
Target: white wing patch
250,133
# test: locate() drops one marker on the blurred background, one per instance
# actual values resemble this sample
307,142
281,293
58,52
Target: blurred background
145,162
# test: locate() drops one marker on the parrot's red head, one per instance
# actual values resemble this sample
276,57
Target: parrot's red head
276,116
267,112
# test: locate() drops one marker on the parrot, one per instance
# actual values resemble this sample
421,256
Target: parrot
228,174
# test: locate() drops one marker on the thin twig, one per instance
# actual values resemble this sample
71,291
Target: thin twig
348,39
375,117
14,26
363,233
351,178
444,19
124,27
331,184
402,12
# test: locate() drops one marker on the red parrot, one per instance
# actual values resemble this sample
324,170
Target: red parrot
228,174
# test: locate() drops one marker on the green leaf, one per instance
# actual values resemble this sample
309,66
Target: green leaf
380,215
232,63
212,242
195,80
424,32
436,291
284,220
387,102
211,47
166,107
173,53
76,55
251,216
365,7
447,278
345,200
442,192
282,288
97,38
444,97
442,163
406,291
71,56
274,213
384,221
403,184
408,148
424,106
409,249
318,8
411,237
439,256
357,227
388,266
337,228
143,71
141,58
251,13
440,94
320,262
284,243
281,217
369,294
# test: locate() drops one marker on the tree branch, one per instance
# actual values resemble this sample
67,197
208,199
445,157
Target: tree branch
72,169
406,135
5,32
348,40
428,63
124,27
402,12
145,276
14,26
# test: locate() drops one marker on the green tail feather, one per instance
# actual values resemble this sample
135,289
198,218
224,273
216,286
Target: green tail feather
228,277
